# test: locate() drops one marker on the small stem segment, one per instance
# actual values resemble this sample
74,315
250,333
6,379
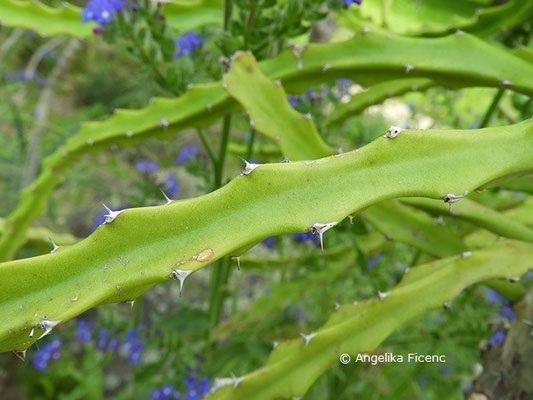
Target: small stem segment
492,108
250,149
250,23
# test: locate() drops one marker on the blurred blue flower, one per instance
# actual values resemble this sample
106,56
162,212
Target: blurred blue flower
165,392
186,153
422,380
344,85
507,312
113,344
84,331
268,291
446,370
186,43
172,187
102,340
146,166
101,11
348,3
306,237
498,337
294,100
269,242
45,354
493,296
133,347
474,125
197,388
373,261
21,76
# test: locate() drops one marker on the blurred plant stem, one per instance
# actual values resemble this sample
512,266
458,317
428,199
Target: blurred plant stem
33,156
495,101
221,271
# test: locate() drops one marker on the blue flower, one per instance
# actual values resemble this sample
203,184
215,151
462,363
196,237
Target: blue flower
186,153
85,331
269,242
186,43
344,86
294,100
422,380
498,337
373,261
103,338
348,3
165,392
197,387
507,312
306,237
146,166
101,11
474,125
47,353
133,347
22,76
171,185
493,296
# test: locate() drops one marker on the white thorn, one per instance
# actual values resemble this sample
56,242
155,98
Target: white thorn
277,82
392,132
54,245
382,295
406,270
439,221
459,32
129,133
275,344
505,83
365,29
325,67
514,279
32,332
236,381
465,254
447,305
238,258
180,275
130,302
409,68
337,306
47,327
320,229
74,299
297,51
252,123
249,167
451,198
21,354
221,382
169,200
111,215
190,86
307,338
308,116
350,217
163,123
224,85
90,142
209,107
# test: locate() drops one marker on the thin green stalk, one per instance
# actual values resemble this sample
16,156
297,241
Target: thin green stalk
250,23
250,149
488,115
228,6
219,168
207,147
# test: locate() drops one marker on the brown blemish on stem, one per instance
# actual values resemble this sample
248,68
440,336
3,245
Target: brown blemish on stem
204,256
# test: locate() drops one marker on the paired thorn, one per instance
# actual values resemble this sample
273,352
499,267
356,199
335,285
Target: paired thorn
451,198
392,132
21,354
249,167
238,258
320,229
409,68
350,217
130,302
163,123
180,275
307,338
90,142
236,381
439,221
447,305
514,279
326,67
459,32
54,245
168,199
47,327
382,295
111,215
465,254
129,133
275,344
277,82
505,83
